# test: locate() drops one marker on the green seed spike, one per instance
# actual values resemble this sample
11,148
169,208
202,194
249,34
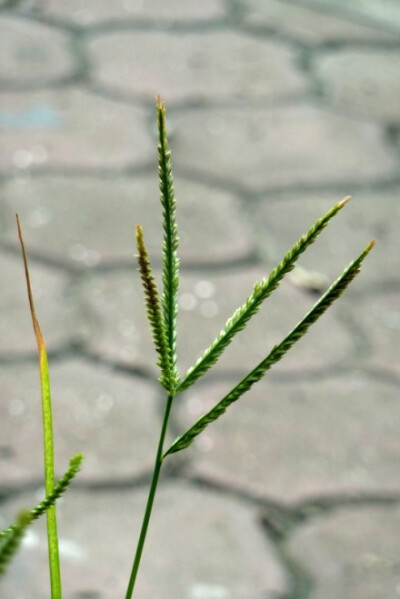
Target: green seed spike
170,277
275,355
261,291
10,542
10,537
154,311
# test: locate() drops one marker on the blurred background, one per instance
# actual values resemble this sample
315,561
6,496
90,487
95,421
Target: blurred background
276,110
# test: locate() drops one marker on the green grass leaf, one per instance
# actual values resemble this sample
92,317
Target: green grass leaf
52,536
154,311
261,291
276,354
169,298
10,538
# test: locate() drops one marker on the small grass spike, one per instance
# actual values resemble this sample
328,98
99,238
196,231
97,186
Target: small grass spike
154,314
170,276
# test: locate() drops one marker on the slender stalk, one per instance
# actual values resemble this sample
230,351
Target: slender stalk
150,500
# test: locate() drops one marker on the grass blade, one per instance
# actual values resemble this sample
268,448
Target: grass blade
153,310
52,537
261,291
170,246
336,289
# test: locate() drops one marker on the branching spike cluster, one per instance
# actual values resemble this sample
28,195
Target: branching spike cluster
261,291
162,315
275,355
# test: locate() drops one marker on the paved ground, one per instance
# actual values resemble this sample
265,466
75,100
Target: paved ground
276,111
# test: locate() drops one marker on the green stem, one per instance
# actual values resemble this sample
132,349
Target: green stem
150,500
52,534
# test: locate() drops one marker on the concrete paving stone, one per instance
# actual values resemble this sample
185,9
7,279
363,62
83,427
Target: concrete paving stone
378,315
308,24
110,417
50,291
299,440
211,66
117,328
384,14
200,545
102,11
31,53
71,128
89,221
3,219
352,553
290,145
120,330
370,215
362,81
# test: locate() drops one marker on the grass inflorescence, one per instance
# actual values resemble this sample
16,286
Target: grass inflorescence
162,313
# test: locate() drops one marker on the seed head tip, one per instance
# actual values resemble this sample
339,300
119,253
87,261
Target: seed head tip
344,201
160,104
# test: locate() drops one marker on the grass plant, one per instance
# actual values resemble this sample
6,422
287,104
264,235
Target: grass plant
162,313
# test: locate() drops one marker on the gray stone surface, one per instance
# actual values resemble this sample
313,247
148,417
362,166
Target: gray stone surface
291,145
98,536
50,291
384,15
363,81
117,328
369,215
70,129
103,11
112,418
225,66
307,23
378,316
31,53
48,207
352,553
298,440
